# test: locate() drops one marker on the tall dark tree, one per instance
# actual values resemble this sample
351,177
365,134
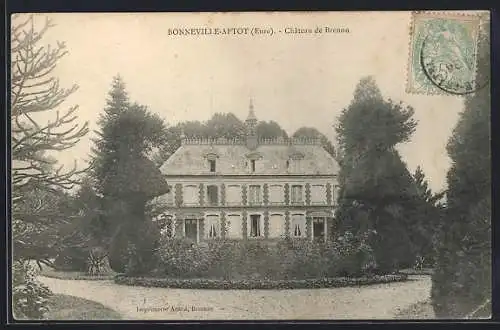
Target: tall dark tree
125,177
461,285
376,189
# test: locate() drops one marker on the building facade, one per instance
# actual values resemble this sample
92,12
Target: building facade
250,188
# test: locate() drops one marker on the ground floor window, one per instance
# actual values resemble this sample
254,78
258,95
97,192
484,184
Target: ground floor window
255,230
191,229
298,227
212,227
319,228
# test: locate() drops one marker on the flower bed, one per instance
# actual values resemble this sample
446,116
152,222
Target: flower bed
248,284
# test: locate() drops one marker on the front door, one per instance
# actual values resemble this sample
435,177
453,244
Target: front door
191,229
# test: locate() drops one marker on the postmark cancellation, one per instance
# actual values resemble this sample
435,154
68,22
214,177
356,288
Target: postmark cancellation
442,54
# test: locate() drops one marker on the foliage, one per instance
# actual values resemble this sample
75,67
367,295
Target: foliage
285,259
37,192
461,284
134,246
259,284
35,92
29,296
311,132
377,192
126,179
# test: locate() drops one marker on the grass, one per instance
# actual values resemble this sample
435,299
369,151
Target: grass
64,307
418,311
73,275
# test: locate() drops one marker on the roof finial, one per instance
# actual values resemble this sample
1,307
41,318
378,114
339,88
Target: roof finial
251,113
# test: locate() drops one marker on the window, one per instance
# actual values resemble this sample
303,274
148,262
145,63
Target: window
212,195
211,162
318,194
276,225
319,228
294,165
212,227
296,194
255,195
298,227
255,225
252,163
233,195
191,229
276,194
234,226
191,195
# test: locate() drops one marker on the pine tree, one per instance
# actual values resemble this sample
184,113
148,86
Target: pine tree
461,285
125,178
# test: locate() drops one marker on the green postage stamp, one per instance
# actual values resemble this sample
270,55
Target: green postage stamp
443,51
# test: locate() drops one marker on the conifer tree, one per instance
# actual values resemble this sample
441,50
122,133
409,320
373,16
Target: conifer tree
376,189
461,284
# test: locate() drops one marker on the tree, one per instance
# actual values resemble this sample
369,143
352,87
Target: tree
125,178
311,132
461,284
38,198
270,130
36,93
376,188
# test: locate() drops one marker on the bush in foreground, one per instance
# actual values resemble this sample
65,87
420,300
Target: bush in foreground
29,296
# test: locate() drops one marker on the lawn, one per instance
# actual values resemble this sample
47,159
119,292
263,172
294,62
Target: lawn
64,307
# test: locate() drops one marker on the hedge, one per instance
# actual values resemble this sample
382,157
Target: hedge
335,282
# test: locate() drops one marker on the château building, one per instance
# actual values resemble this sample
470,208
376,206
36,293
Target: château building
250,188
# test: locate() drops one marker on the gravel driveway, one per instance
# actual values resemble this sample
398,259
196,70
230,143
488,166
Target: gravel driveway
381,301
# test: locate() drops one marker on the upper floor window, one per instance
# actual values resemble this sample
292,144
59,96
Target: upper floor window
318,194
212,195
296,194
254,195
252,164
276,194
233,195
190,195
211,163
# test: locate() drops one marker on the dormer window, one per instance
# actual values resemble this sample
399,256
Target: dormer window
211,157
212,165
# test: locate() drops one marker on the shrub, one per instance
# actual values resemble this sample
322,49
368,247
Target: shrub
71,259
260,284
181,258
133,248
29,296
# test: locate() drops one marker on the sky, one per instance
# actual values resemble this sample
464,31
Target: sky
295,79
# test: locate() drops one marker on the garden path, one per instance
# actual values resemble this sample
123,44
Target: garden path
380,301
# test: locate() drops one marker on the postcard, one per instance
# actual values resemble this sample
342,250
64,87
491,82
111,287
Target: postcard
250,166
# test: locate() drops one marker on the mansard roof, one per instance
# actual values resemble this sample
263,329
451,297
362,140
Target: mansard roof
274,157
